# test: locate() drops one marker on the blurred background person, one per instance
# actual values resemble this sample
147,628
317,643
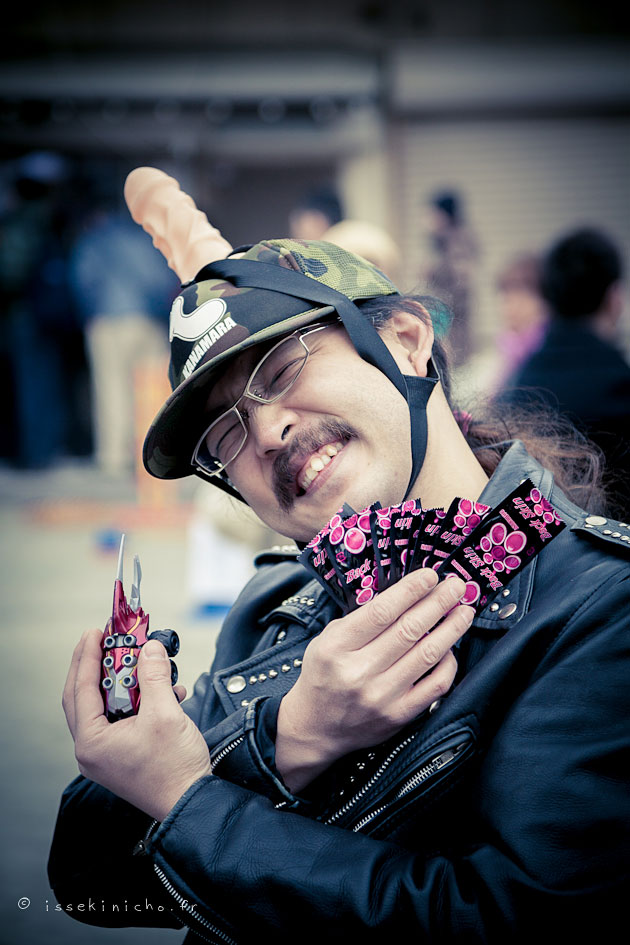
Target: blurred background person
316,211
368,240
579,369
43,360
123,291
452,254
523,314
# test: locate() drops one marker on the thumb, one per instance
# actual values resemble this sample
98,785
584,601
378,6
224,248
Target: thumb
154,675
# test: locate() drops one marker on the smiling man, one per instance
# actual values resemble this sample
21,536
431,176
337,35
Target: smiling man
413,767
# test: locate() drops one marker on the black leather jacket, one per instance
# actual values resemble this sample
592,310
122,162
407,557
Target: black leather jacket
501,814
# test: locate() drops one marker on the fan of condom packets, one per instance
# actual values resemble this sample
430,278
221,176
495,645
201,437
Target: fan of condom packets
358,554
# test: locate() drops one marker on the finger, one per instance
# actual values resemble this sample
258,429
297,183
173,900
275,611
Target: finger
67,699
88,698
415,623
368,622
180,692
431,649
430,688
154,678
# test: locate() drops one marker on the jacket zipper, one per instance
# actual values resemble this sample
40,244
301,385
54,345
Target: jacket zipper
218,758
141,850
222,937
418,778
366,787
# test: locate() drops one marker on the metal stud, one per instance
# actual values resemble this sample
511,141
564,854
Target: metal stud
506,592
262,677
244,702
596,520
252,680
607,531
507,611
273,673
285,667
616,534
281,635
625,537
494,607
435,706
297,662
236,684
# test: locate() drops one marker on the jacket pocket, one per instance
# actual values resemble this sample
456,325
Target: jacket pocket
410,770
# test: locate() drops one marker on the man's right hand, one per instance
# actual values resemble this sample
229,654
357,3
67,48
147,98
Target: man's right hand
370,673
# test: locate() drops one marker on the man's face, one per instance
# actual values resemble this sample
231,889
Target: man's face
340,434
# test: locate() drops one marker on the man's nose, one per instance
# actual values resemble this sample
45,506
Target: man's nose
270,426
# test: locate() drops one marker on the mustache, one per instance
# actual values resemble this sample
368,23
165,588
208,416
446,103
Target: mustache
287,463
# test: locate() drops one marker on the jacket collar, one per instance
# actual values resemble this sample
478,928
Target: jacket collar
512,602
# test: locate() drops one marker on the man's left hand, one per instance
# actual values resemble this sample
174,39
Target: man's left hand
149,759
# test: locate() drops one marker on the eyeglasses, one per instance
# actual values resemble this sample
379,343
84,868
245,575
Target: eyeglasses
273,376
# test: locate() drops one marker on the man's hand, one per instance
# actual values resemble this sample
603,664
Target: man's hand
370,673
149,759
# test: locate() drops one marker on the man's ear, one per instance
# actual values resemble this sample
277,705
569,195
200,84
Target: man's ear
410,340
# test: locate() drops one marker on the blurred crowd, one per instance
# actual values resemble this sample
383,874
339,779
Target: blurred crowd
85,298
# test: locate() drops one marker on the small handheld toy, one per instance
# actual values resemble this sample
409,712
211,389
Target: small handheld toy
126,632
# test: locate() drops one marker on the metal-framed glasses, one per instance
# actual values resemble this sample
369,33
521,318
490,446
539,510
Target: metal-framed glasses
273,376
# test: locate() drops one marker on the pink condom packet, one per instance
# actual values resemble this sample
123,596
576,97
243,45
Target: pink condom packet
508,539
406,521
418,521
381,527
318,558
446,531
430,527
351,550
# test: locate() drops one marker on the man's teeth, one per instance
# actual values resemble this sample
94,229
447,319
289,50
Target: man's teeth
318,461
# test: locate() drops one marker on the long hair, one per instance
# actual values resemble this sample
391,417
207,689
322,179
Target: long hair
577,464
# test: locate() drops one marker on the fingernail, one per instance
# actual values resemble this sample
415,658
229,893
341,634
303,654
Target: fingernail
154,650
457,588
429,577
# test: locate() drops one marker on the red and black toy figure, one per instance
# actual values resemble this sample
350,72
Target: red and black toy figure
126,632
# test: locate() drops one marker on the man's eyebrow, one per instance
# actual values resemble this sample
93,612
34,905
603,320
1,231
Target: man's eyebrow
215,410
225,402
249,360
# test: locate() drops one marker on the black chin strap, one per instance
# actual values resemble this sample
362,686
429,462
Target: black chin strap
367,341
419,389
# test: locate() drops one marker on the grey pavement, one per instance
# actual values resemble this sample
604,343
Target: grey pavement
57,580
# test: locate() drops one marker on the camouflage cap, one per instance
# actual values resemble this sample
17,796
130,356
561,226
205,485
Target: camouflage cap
215,318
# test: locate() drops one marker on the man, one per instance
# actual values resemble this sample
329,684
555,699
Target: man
450,260
121,288
268,806
317,209
579,368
